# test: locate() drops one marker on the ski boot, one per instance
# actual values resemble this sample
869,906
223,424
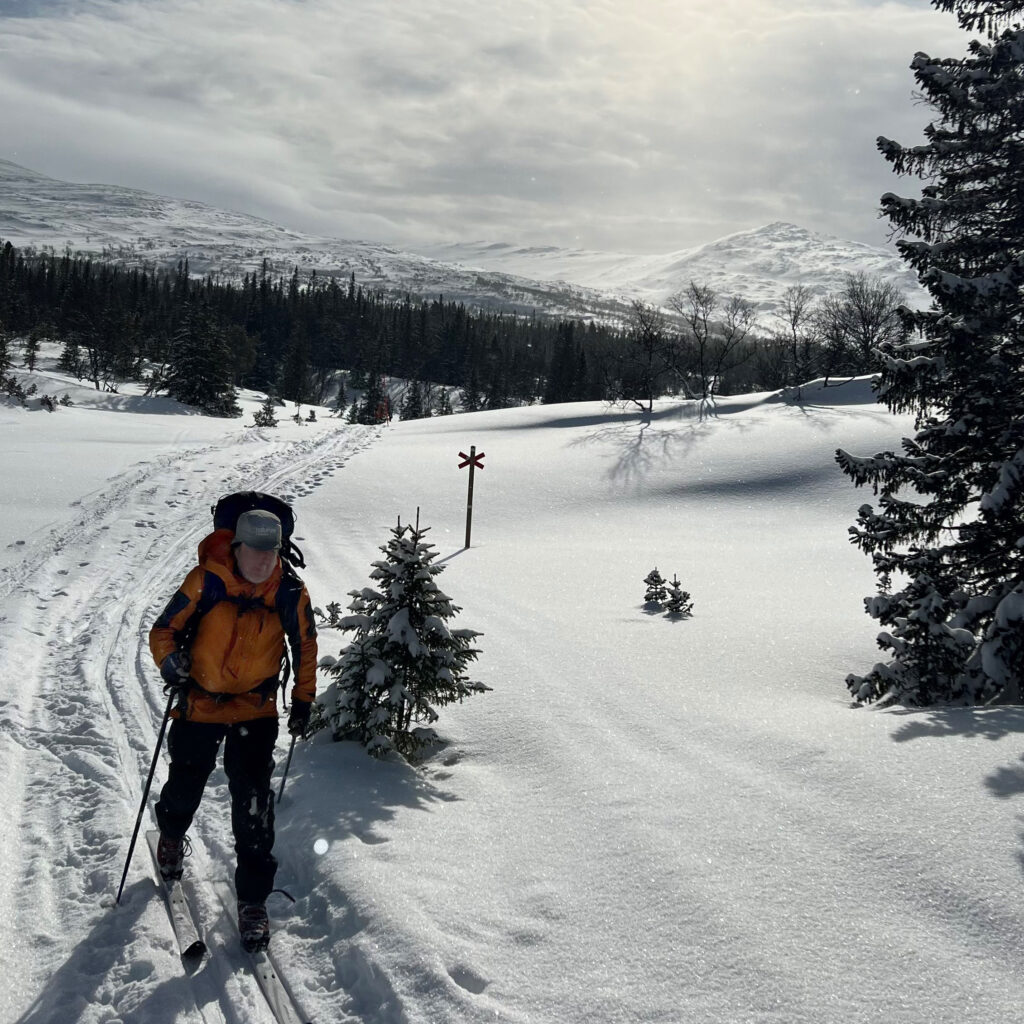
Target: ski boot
170,856
254,926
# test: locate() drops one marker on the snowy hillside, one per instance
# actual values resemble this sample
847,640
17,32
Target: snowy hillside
646,820
758,265
140,227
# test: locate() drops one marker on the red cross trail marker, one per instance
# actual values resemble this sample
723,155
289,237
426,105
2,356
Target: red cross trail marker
473,461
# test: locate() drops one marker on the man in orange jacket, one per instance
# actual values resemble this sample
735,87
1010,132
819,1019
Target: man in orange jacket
220,643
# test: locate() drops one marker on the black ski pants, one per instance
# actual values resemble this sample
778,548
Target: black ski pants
248,763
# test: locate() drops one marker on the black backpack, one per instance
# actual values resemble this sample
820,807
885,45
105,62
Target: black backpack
231,506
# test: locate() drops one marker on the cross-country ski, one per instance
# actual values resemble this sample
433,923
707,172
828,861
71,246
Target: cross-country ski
191,946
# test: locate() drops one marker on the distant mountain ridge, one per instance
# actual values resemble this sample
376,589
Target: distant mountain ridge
143,228
758,264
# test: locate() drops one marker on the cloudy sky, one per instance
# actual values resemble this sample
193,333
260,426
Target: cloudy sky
625,125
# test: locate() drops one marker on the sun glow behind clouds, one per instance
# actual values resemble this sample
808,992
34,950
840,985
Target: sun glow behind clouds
637,125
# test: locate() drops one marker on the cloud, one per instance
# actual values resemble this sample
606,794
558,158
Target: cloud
643,125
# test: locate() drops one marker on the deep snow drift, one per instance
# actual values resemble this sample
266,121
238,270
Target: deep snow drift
646,820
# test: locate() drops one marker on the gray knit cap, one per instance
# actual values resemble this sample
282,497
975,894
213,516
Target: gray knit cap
259,529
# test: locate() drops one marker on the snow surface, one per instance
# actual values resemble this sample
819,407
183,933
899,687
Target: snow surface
646,820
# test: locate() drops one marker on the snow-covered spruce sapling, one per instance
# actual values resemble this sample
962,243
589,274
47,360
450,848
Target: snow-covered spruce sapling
404,660
679,605
264,416
657,592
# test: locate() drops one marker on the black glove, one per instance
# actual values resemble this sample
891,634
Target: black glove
174,669
298,720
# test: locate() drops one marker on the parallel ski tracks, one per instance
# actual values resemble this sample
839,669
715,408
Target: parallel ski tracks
80,702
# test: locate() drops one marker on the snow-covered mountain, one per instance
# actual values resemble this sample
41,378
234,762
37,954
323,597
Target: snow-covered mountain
140,227
758,264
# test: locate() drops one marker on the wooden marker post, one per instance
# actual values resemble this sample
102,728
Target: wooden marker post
473,461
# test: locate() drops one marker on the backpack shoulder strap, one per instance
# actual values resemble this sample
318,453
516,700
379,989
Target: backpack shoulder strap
212,593
286,603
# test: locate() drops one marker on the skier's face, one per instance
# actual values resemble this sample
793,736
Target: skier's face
255,565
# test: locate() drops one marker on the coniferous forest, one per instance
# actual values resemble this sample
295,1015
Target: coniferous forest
198,339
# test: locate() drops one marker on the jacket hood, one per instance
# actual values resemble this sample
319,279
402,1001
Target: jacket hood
216,556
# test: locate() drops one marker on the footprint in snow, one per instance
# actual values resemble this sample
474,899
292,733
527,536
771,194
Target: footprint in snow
468,979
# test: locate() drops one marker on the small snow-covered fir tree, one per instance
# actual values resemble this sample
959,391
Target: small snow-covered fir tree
679,605
946,536
414,405
405,660
265,416
444,403
341,398
656,589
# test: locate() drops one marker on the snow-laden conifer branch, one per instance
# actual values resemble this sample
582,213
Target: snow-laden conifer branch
950,504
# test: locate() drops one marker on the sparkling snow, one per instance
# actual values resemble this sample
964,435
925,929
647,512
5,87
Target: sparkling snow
647,820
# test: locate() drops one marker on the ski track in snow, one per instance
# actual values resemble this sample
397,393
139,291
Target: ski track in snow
78,726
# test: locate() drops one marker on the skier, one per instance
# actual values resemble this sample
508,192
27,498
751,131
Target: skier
219,644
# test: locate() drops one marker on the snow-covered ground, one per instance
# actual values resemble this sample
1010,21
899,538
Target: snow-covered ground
645,821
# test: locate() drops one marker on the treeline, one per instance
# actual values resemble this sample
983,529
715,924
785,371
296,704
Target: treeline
199,339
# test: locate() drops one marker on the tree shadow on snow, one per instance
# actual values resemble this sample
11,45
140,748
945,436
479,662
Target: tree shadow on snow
968,723
994,723
639,446
105,960
339,791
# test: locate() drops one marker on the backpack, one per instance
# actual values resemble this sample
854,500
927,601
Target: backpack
286,604
231,506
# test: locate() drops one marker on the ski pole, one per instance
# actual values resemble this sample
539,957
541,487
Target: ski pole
287,765
145,794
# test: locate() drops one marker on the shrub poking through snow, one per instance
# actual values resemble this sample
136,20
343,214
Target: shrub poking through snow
657,592
678,605
404,661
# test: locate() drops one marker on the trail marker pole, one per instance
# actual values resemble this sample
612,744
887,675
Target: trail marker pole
473,461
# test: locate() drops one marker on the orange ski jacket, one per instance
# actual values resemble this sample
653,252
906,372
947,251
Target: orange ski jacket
239,643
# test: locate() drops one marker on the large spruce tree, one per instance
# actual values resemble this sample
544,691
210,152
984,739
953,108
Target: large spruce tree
201,372
947,535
